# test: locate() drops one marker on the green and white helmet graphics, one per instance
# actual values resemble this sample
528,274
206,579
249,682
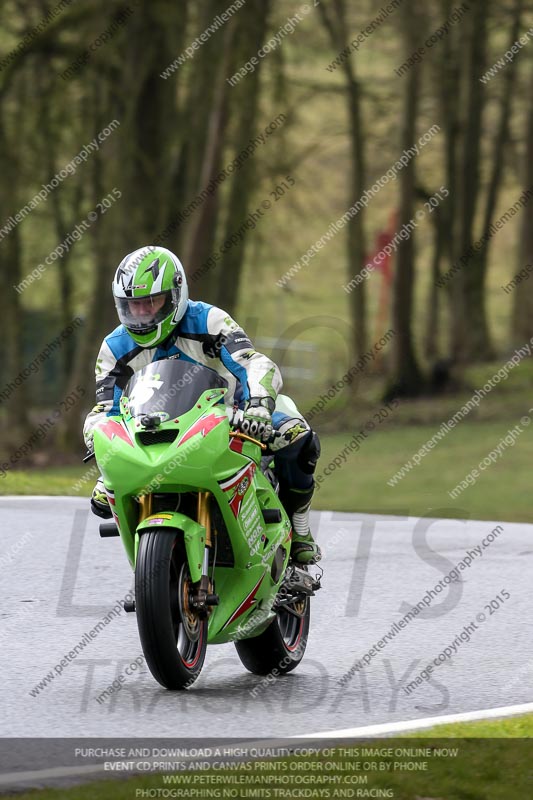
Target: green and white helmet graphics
151,294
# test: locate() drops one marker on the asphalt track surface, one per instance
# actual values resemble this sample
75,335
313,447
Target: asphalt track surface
59,579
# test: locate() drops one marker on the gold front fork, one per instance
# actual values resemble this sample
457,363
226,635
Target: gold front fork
145,503
202,515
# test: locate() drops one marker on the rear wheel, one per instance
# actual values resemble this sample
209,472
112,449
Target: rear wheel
173,636
281,647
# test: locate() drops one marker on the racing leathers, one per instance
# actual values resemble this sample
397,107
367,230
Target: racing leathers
208,336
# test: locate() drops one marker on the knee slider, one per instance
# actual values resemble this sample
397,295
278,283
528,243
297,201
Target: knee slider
309,453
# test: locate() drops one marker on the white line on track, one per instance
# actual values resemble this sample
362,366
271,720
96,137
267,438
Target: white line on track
420,724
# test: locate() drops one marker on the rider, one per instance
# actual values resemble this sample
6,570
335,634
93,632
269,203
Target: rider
159,321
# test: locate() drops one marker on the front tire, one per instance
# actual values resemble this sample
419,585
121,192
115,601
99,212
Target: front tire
173,637
281,647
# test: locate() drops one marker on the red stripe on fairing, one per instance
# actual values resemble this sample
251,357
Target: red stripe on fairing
112,429
203,426
245,605
235,501
236,445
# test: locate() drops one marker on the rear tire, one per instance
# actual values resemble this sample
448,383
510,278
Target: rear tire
281,647
173,637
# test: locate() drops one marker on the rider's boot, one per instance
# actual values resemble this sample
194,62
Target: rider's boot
99,502
297,503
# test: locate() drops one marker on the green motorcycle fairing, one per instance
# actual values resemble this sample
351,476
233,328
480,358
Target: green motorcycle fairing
189,450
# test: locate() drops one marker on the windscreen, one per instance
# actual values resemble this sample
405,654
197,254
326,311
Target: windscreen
170,387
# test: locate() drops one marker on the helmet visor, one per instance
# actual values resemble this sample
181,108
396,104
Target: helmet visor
143,314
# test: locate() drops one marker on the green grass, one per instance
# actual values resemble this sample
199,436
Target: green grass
503,492
493,763
509,727
52,481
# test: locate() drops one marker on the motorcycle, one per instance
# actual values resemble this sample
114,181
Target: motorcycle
196,506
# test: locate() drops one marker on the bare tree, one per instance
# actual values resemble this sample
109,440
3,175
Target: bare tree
246,108
334,19
407,379
477,344
522,320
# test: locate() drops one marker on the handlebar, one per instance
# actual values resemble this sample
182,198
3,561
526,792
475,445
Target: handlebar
245,437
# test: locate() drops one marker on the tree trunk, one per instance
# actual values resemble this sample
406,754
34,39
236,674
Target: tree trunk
407,379
470,334
228,275
356,241
334,20
16,417
200,123
202,230
100,317
478,345
522,321
433,305
447,75
63,224
149,120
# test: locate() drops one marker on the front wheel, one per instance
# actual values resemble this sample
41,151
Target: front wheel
173,637
281,647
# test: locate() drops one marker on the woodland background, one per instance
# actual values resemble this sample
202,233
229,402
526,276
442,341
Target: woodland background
344,116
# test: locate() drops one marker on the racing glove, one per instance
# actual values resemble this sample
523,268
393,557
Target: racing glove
96,415
257,418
